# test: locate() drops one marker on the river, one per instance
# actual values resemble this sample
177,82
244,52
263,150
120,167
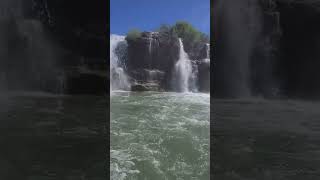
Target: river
265,139
159,135
47,136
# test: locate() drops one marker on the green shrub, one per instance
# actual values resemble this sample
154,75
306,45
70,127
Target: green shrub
133,35
189,35
167,33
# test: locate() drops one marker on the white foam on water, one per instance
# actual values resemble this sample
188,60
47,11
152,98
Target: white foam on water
121,165
153,127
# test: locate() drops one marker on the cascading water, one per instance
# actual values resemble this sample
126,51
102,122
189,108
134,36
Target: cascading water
193,81
150,52
182,71
240,24
26,51
208,53
118,78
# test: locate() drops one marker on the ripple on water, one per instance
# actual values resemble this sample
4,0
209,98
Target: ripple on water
160,135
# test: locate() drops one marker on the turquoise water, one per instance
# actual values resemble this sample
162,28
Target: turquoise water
159,136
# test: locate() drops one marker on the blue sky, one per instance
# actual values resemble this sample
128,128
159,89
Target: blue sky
147,15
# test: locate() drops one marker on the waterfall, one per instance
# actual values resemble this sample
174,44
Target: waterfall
207,59
240,24
182,71
118,78
27,56
61,84
208,50
150,52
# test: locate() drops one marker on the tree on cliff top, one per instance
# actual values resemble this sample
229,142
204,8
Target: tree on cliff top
167,33
190,36
133,35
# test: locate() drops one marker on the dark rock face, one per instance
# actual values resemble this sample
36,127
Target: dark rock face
84,33
147,80
153,51
139,87
299,65
146,87
204,76
84,80
86,84
245,48
44,39
147,75
198,52
151,58
283,56
28,59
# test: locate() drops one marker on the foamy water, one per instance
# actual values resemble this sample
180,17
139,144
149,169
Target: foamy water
159,135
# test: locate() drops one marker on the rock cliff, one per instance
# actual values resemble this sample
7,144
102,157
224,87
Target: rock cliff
152,56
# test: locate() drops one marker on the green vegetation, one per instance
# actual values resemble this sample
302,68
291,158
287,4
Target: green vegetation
133,35
167,32
191,37
185,31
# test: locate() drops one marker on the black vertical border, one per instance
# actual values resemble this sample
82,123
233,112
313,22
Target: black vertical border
107,21
212,53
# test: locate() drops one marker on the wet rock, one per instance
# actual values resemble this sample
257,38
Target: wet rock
152,51
147,75
146,87
204,75
138,87
85,81
158,51
299,65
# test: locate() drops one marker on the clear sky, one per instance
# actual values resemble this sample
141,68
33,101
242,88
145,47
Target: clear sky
147,15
